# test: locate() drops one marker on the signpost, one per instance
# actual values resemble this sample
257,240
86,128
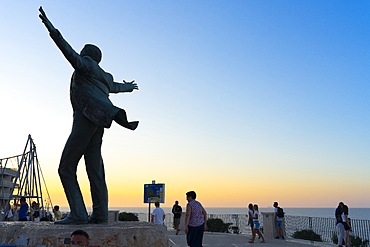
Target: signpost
153,193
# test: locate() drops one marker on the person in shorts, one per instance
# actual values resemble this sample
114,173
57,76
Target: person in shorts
250,216
278,221
256,225
177,211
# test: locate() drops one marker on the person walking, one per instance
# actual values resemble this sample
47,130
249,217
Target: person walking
177,211
195,220
158,215
256,226
250,216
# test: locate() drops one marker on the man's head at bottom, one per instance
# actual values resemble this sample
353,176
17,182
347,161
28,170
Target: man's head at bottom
79,238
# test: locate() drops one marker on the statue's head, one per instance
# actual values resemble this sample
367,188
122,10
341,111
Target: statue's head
92,51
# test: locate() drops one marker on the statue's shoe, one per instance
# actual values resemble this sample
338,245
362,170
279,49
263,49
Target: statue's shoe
133,125
70,221
96,221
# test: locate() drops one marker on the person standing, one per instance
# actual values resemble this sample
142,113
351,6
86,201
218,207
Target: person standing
347,225
278,218
35,211
195,220
177,211
339,223
158,215
23,211
256,224
250,216
9,213
93,111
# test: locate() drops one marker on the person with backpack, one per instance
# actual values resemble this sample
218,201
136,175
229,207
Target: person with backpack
278,217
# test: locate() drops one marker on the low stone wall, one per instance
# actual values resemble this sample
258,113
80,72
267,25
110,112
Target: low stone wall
127,234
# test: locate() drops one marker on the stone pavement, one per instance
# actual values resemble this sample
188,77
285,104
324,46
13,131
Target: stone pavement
213,239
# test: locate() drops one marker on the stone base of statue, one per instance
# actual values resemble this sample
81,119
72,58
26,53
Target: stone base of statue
119,233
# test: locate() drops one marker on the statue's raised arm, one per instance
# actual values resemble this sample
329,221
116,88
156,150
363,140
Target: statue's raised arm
46,21
69,53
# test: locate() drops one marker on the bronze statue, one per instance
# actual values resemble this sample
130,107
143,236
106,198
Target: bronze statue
92,112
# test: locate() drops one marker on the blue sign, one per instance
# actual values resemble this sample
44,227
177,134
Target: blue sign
153,193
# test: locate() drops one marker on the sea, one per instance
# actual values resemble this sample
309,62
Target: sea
354,213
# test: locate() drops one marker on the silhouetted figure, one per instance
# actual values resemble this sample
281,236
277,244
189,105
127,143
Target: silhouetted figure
278,221
92,112
339,223
177,211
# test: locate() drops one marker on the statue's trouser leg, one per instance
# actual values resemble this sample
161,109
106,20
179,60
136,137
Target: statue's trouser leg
82,132
96,174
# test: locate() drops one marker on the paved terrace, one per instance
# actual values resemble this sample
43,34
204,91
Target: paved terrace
213,239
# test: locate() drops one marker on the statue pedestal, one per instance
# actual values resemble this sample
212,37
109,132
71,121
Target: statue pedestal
121,233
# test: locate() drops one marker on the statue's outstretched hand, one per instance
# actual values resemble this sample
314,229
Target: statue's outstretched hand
46,21
131,85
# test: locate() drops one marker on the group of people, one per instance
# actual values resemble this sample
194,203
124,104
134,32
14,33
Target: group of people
195,219
254,223
26,213
158,215
343,224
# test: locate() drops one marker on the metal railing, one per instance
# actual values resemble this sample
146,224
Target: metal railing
325,227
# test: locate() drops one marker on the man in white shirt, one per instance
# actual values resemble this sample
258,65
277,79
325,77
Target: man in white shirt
158,215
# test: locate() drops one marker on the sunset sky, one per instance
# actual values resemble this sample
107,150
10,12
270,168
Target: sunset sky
242,101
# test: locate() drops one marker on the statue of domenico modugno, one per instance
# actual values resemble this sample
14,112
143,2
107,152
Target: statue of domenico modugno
92,112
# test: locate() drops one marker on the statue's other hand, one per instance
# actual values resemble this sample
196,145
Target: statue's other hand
46,21
131,85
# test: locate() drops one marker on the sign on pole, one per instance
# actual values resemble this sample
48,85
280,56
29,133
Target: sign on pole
153,193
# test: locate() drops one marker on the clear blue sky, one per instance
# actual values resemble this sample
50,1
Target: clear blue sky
254,100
